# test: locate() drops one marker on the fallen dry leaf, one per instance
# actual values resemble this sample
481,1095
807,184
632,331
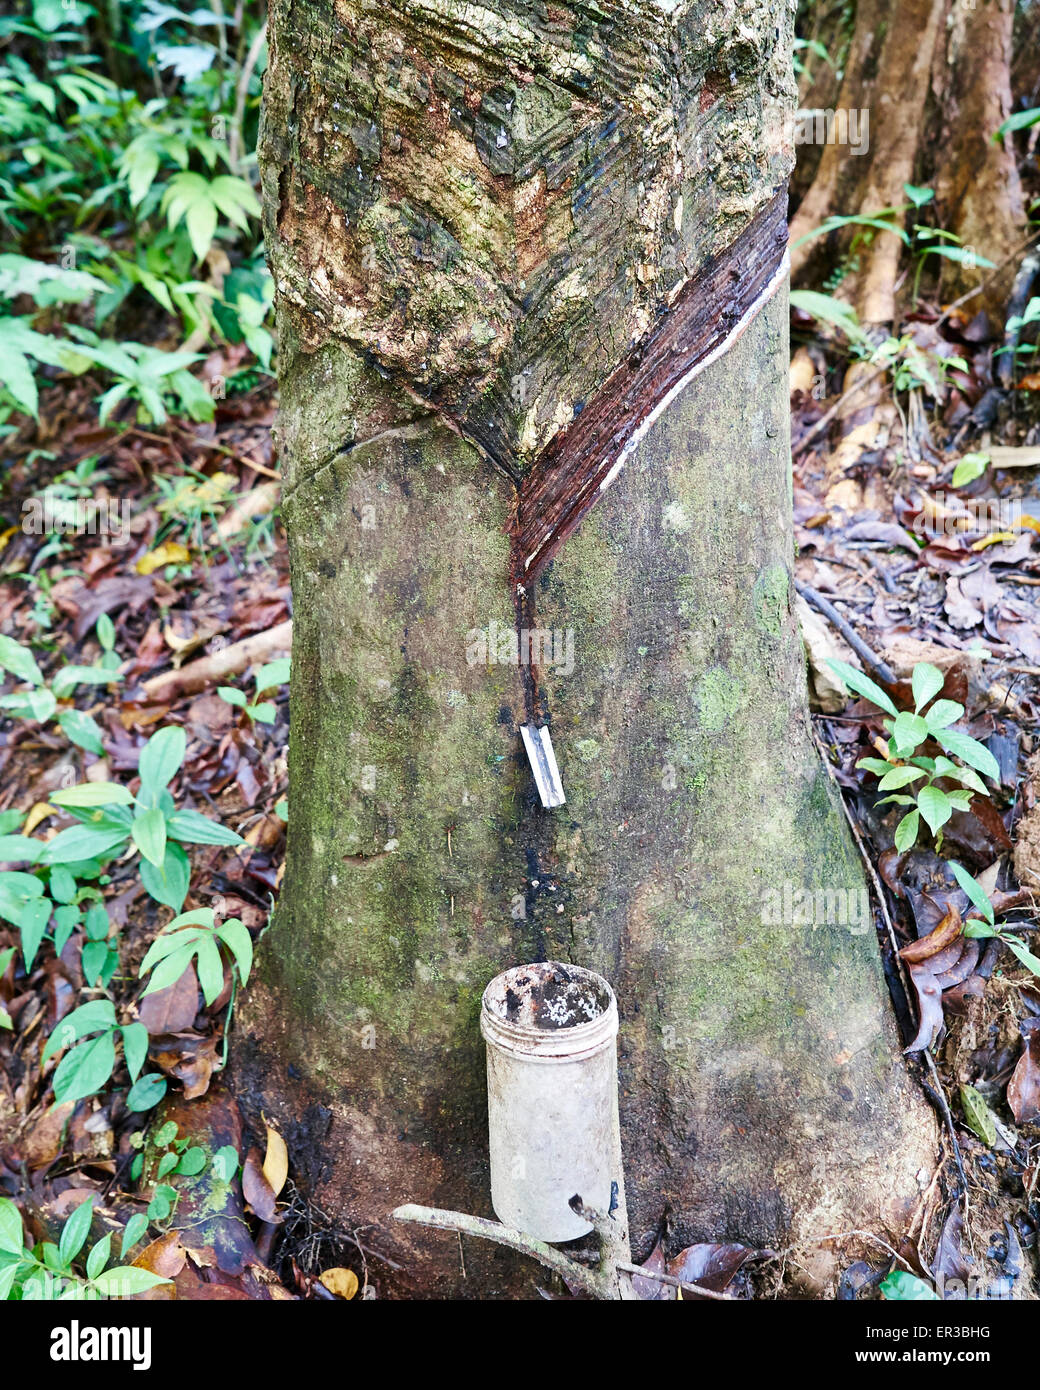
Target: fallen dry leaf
37,813
257,1190
944,935
711,1266
342,1282
165,1256
961,612
276,1161
173,1009
191,1057
1023,1090
168,553
929,1005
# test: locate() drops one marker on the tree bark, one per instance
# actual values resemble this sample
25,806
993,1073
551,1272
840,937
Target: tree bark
977,188
483,224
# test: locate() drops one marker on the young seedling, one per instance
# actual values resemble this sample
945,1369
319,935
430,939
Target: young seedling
42,702
5,960
903,766
55,900
196,936
988,927
49,1271
259,711
114,819
90,1034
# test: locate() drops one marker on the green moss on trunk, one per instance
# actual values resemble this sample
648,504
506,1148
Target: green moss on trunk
762,1090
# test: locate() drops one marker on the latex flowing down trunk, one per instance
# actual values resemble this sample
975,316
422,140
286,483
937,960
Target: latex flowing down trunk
484,224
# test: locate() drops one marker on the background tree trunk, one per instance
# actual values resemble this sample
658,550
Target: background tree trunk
934,76
474,217
977,188
887,73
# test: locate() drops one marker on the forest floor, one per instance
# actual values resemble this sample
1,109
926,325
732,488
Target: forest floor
187,585
923,569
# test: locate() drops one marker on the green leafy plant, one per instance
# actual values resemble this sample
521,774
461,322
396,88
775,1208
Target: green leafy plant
113,820
5,960
58,904
969,467
51,1271
809,46
190,499
1013,327
986,928
138,173
200,202
149,376
259,711
903,766
20,347
41,701
90,1034
106,635
923,240
171,1155
196,936
1020,120
910,367
902,1287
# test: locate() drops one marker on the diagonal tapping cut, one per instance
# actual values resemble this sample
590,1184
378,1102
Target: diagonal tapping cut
581,461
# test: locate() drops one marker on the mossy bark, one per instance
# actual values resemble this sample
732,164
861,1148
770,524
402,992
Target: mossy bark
762,1093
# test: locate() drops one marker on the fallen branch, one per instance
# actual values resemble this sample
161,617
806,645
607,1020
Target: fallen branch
591,1282
879,667
229,661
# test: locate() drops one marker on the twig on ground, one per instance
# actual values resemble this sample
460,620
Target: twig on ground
591,1282
229,661
869,1235
675,1283
828,415
881,668
944,1106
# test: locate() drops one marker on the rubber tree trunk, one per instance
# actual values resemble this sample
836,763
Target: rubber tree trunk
482,222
